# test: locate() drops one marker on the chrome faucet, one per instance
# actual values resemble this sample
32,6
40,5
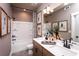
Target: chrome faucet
70,40
67,43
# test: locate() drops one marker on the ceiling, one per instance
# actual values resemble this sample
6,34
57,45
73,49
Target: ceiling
30,6
35,6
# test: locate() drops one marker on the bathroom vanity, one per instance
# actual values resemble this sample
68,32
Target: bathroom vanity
40,49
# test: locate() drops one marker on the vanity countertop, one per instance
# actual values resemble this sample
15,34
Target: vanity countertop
58,49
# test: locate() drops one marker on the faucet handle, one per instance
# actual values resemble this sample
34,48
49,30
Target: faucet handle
63,41
70,40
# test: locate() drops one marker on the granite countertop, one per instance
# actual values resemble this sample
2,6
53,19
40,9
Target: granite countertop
58,49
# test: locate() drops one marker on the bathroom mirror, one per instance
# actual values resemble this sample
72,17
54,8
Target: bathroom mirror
75,26
70,13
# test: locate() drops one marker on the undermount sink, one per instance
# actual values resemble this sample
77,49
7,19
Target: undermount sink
74,47
59,50
48,42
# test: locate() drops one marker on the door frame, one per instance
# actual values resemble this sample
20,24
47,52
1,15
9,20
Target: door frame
73,23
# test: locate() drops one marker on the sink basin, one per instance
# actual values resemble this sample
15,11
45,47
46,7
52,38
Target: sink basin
75,47
58,49
61,51
48,42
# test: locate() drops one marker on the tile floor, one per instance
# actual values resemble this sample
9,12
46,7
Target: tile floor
22,53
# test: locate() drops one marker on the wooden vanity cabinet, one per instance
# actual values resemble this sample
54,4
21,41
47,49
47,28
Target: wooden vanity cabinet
46,53
38,50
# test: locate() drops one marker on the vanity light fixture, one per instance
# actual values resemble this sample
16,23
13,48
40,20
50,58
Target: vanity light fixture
51,10
48,10
45,11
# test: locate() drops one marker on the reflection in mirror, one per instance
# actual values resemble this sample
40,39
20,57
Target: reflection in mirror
69,14
75,26
52,29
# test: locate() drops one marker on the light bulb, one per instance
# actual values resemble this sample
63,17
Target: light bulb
48,12
51,10
44,11
48,8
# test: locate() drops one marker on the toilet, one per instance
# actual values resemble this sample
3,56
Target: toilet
30,48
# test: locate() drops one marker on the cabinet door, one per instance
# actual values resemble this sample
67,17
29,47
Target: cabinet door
39,52
47,53
34,51
37,49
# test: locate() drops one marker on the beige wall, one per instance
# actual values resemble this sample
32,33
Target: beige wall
7,8
5,42
5,45
64,15
52,5
20,15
